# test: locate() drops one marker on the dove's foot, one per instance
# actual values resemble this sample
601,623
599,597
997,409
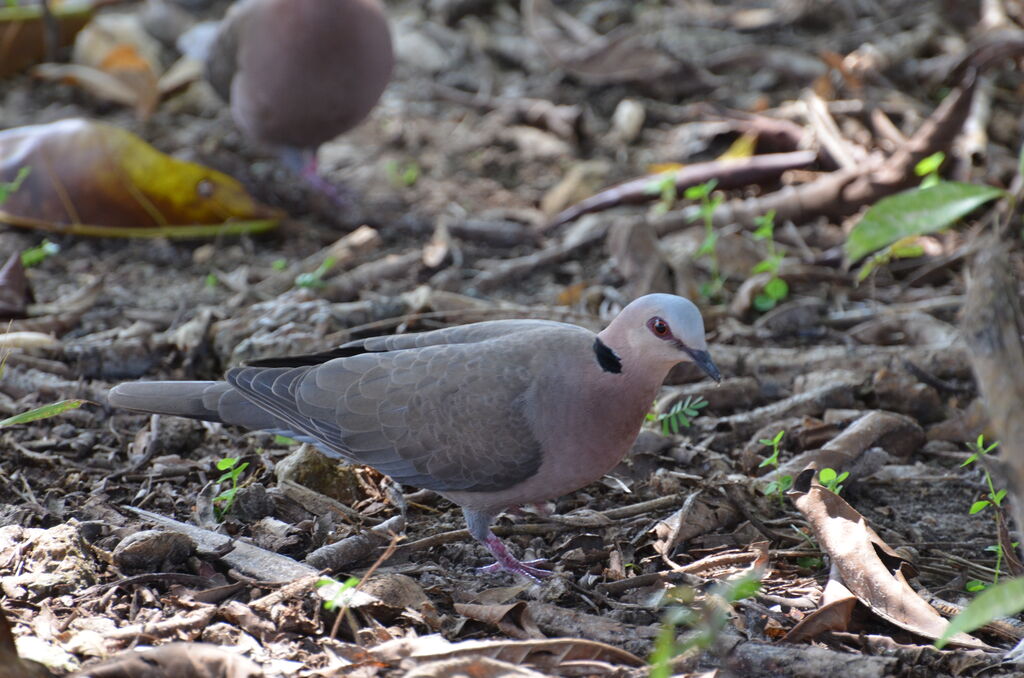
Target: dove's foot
304,163
506,562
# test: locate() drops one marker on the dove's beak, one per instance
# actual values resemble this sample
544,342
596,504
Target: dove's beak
703,360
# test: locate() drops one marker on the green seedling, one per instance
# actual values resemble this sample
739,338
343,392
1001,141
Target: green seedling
211,281
335,593
974,585
6,188
704,619
232,472
776,289
279,264
832,481
776,488
664,186
284,441
39,253
993,498
928,169
316,278
775,443
680,415
707,204
402,175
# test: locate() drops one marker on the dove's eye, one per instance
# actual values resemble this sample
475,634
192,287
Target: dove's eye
659,327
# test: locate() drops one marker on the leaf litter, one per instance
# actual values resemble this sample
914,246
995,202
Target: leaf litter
467,240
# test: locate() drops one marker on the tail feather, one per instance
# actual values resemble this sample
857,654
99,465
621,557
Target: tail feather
206,400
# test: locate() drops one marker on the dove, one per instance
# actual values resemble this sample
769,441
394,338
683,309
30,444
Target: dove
298,73
490,415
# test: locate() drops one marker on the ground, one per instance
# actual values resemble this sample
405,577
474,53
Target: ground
490,128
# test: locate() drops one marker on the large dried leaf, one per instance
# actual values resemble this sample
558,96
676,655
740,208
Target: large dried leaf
89,178
542,654
114,59
22,32
176,660
837,604
858,555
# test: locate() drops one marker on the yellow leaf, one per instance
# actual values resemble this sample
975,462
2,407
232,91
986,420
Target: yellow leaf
662,167
90,178
743,147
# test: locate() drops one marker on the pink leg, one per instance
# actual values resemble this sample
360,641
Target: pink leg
506,562
310,172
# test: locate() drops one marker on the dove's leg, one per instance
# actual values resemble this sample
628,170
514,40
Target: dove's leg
303,162
479,525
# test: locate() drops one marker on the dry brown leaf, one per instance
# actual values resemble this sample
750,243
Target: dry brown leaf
176,660
837,605
476,667
856,551
513,619
12,666
542,654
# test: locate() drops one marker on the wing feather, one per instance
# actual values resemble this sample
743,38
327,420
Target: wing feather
426,409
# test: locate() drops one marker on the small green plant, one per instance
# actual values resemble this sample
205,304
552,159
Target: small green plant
6,188
316,278
832,481
704,619
232,471
402,175
680,415
38,254
776,289
928,169
775,442
708,203
778,487
663,185
993,498
336,593
279,264
284,441
211,281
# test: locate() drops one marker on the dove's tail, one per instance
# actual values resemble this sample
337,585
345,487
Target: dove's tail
206,400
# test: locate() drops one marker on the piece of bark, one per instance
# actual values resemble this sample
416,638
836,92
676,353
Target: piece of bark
249,560
992,327
895,433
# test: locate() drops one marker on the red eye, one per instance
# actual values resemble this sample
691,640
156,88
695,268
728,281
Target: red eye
659,327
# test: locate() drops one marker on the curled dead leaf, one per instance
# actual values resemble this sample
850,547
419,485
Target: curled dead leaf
867,565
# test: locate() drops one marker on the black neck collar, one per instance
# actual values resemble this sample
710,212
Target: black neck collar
606,358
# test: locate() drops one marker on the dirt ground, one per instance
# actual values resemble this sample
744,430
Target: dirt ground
497,128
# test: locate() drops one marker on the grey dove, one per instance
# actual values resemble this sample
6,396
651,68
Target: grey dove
298,73
489,415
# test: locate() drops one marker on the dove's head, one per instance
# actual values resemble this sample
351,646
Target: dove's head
661,329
